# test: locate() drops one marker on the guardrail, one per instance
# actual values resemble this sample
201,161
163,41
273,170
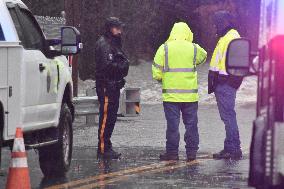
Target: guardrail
88,106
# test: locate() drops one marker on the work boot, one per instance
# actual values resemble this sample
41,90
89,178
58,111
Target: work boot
110,154
191,158
228,155
168,157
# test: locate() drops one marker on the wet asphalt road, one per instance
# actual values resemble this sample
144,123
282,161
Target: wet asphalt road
141,140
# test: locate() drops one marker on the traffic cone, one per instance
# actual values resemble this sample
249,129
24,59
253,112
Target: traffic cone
18,177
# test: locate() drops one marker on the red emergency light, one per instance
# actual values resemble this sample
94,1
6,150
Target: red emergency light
70,60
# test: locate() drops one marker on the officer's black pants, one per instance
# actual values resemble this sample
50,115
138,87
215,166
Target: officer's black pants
109,104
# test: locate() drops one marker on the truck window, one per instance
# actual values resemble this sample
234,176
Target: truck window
31,30
2,37
18,28
28,31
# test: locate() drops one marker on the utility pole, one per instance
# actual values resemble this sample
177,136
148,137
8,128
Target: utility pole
73,18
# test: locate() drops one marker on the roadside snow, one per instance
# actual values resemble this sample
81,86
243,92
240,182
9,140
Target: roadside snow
141,76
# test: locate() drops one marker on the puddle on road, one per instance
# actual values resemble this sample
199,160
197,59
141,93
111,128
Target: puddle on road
141,167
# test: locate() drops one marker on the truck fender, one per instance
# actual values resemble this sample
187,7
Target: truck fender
68,99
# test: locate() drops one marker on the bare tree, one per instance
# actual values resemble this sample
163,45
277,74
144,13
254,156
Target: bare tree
45,7
73,9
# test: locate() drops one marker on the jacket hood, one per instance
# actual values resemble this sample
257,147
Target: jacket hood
181,31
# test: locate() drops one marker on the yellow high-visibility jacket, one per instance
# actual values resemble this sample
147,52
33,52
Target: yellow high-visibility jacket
218,61
175,65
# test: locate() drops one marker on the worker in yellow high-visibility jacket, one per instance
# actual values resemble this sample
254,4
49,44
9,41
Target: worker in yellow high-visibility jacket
175,66
225,86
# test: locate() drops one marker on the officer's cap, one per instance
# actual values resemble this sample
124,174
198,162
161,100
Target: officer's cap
114,22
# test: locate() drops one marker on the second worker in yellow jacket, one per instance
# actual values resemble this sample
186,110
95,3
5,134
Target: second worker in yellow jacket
225,86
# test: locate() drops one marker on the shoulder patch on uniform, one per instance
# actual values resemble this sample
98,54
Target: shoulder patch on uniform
110,56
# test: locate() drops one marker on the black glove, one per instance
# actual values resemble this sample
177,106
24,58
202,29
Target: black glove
121,83
122,65
212,81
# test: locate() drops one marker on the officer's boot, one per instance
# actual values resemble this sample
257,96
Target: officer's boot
109,154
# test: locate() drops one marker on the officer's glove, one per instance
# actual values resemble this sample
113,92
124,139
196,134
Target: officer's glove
122,65
121,84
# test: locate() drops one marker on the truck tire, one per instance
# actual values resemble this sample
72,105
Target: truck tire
55,160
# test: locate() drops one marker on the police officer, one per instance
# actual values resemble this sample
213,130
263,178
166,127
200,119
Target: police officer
111,68
175,66
225,86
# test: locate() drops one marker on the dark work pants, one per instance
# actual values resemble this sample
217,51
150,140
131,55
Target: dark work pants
109,104
190,120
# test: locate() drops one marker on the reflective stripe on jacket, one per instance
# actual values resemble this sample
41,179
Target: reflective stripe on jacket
218,61
175,65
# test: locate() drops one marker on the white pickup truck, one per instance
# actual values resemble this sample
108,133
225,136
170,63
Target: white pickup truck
36,86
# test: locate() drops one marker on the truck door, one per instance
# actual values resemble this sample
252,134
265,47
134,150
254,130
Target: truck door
45,70
31,42
48,90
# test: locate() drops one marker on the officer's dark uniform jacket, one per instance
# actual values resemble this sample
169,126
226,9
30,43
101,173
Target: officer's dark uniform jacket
111,68
111,62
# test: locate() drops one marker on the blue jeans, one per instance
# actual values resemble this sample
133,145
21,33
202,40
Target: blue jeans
190,120
226,98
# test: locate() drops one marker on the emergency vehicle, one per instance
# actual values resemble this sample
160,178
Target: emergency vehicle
36,86
267,146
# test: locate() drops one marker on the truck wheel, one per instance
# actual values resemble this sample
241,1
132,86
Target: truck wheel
55,160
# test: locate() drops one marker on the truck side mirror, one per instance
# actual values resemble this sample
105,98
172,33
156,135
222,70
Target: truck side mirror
70,41
238,57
